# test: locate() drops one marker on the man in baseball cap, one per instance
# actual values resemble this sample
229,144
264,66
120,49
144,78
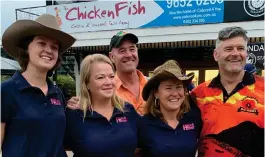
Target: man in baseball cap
118,38
129,81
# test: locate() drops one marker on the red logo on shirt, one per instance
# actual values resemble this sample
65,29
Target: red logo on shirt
249,105
55,101
121,119
188,126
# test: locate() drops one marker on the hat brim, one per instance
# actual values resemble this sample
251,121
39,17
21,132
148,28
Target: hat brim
154,81
128,36
21,29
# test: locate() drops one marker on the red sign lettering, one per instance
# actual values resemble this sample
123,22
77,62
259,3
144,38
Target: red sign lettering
76,13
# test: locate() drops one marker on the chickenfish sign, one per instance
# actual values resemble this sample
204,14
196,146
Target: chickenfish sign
104,15
110,15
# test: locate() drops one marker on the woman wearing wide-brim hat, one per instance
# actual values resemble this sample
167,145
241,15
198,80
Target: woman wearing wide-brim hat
172,124
32,111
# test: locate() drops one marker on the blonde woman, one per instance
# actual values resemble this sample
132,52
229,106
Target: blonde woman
104,125
172,124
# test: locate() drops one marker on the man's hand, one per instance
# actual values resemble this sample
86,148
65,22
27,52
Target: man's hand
73,103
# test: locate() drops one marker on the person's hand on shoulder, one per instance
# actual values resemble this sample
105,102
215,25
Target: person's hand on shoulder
73,103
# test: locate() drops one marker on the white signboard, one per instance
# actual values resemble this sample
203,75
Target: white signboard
104,15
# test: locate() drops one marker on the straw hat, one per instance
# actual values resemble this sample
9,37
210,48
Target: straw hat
169,70
45,25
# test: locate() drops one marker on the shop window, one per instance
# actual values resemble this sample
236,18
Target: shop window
195,80
210,74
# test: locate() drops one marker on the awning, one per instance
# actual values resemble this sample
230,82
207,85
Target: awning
178,44
8,64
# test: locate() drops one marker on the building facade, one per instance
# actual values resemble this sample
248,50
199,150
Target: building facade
184,30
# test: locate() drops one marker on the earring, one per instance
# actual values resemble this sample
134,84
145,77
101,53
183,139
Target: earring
156,103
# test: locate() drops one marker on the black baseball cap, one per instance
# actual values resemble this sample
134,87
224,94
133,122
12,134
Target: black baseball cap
117,39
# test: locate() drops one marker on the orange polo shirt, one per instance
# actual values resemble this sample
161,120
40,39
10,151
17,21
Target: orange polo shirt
233,125
128,96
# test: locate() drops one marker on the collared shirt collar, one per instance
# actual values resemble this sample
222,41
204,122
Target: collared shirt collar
157,121
140,75
23,84
95,115
248,79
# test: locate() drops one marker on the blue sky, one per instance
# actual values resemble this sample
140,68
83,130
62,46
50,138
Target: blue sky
8,13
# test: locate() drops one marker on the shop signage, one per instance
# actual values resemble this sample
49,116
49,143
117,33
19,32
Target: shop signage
110,15
256,54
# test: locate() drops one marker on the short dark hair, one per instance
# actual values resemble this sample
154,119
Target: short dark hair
231,32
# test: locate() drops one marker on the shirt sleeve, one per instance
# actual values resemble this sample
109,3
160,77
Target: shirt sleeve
69,133
6,104
140,136
197,113
134,118
132,113
64,101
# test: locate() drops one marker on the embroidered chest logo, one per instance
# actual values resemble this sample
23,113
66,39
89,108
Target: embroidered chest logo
249,105
188,126
121,119
55,101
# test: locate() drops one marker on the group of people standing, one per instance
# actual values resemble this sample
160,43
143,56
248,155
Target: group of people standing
119,111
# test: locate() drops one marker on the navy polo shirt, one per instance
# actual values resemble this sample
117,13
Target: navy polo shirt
95,136
35,123
157,139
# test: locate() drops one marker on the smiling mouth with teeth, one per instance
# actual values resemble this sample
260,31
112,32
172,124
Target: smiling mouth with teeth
127,61
47,58
174,100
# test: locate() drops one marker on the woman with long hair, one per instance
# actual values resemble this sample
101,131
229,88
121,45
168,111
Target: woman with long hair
172,124
104,125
